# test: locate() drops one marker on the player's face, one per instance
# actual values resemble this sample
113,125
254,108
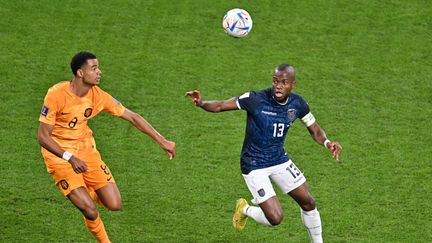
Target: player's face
283,83
91,74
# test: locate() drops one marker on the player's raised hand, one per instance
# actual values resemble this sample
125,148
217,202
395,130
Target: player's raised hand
78,165
169,148
335,148
195,96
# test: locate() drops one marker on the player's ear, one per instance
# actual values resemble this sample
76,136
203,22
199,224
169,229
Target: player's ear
80,73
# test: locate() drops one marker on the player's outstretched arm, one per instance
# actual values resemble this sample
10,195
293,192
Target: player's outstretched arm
46,141
320,137
214,105
141,124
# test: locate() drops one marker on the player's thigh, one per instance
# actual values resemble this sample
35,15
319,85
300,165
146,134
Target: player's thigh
288,177
260,186
98,174
303,197
80,198
100,179
110,196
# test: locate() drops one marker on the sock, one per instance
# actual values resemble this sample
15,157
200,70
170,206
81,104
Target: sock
312,222
256,214
97,228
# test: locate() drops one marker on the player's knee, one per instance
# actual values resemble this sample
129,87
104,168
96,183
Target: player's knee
90,212
309,204
115,205
275,217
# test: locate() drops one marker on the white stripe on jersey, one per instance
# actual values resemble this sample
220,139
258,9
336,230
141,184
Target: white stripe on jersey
245,95
308,119
238,104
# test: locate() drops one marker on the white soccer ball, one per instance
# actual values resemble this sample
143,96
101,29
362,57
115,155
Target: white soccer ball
237,23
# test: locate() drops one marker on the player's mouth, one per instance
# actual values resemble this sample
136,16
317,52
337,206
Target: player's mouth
278,94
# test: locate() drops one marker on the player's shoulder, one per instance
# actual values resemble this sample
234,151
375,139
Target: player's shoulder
99,93
297,100
296,97
58,87
97,90
257,93
264,92
58,90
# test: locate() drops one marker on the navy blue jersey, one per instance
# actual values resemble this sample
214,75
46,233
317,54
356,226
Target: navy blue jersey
267,125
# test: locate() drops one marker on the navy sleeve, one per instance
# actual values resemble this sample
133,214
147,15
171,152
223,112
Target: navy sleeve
247,101
304,107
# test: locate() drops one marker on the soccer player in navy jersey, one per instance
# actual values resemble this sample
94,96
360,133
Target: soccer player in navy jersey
270,113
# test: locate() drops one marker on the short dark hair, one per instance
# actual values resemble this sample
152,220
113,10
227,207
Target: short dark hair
282,67
80,59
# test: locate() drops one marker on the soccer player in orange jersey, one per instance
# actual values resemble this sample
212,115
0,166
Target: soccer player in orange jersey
68,146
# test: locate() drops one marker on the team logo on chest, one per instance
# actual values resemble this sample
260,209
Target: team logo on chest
88,112
291,114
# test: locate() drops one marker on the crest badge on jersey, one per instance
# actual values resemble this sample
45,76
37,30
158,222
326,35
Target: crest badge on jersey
88,112
291,114
44,111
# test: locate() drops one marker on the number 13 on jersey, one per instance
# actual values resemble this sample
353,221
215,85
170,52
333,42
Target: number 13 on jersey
278,129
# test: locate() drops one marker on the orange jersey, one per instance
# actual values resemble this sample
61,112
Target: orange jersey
69,113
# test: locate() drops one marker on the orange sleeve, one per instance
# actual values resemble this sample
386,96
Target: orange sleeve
111,105
49,109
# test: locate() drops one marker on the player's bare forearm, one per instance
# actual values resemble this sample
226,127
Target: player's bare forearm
141,124
317,133
320,137
212,106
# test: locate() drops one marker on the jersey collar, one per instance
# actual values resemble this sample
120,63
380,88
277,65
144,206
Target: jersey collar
284,103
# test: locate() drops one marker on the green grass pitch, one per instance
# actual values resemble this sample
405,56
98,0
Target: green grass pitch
365,68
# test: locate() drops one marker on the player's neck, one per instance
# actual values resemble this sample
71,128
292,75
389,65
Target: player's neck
79,88
281,102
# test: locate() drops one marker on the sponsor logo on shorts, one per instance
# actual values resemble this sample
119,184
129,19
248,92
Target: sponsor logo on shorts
109,178
64,184
261,192
88,112
44,111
